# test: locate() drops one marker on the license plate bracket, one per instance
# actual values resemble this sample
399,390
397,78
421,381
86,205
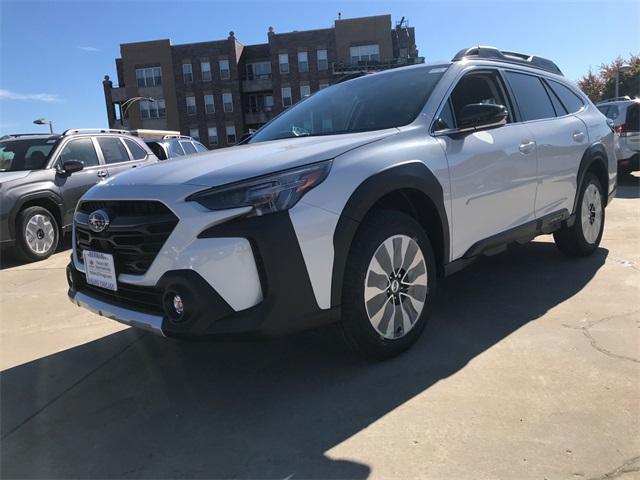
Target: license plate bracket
100,269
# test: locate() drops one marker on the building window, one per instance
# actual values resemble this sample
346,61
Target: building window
303,62
209,106
191,105
205,68
323,85
305,91
286,97
149,77
155,109
225,73
212,135
260,102
323,61
365,53
231,134
283,60
187,73
194,133
227,102
258,71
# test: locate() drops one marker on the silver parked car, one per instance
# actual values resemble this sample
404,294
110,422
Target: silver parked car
173,146
624,112
351,205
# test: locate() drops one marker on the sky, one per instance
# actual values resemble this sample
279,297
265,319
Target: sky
54,55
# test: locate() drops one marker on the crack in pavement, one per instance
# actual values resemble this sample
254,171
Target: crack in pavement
71,387
594,342
621,470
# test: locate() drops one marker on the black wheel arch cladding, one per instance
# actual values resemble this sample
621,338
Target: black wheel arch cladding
594,160
409,176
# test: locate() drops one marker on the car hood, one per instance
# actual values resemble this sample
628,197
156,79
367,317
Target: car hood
10,176
219,167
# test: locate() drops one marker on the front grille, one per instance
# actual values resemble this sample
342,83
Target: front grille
135,235
145,299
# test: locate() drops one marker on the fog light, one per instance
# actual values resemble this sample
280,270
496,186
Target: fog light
177,305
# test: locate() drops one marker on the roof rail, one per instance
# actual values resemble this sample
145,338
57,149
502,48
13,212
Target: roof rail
492,53
166,137
75,131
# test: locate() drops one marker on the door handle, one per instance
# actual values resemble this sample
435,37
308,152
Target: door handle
102,173
578,136
526,146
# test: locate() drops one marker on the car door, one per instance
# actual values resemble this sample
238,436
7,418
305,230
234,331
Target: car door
73,186
548,109
493,172
115,155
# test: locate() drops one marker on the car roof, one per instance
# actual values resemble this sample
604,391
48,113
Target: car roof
29,136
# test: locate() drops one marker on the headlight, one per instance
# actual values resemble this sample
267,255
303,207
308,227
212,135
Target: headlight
267,194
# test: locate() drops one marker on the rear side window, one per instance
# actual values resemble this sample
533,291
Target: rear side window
136,150
531,96
633,118
200,147
570,100
188,147
80,150
604,109
175,150
557,104
113,150
613,112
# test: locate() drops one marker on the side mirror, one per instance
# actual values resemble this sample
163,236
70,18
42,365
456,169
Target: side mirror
480,116
71,166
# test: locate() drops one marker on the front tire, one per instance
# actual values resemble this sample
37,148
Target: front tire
37,234
389,285
583,237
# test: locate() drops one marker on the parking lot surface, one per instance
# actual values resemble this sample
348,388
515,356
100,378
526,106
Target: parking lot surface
530,368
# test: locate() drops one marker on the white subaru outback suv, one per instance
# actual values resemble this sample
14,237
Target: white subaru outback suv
350,205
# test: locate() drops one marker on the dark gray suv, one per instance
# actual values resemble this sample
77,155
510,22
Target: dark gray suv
42,177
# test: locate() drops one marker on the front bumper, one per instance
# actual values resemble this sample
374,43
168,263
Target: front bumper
212,280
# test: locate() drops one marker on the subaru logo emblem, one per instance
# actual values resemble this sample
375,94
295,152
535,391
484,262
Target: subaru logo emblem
98,221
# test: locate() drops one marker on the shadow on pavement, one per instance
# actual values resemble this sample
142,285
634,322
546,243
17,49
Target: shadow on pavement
628,186
9,259
135,405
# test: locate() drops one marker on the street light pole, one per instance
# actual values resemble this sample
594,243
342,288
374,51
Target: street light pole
621,68
43,121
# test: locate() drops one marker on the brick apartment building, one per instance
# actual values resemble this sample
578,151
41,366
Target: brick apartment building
218,90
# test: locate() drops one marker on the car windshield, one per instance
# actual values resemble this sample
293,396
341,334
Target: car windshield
374,102
25,154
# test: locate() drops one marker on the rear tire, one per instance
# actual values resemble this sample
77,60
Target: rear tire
389,285
583,237
37,234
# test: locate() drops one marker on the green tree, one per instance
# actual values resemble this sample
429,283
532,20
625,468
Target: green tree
602,85
592,85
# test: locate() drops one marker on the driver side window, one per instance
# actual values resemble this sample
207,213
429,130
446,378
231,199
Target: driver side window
481,87
81,150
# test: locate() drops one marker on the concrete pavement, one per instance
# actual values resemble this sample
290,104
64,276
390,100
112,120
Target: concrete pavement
530,368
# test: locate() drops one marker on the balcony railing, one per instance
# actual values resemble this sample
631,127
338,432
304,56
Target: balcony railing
256,83
340,68
253,116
